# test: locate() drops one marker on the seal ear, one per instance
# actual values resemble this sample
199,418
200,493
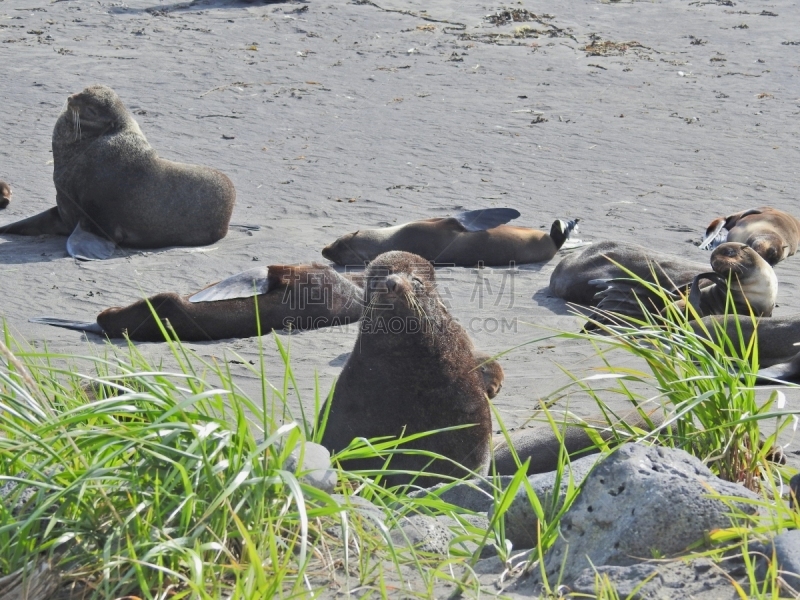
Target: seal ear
246,284
485,218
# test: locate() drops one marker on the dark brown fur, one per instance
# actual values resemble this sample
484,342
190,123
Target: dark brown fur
285,306
112,182
412,370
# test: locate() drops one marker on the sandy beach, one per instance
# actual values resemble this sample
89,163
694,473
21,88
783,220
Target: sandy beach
643,119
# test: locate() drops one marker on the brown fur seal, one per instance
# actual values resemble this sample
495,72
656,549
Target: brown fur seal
778,341
5,194
772,233
542,446
112,187
492,373
413,369
573,276
289,297
466,239
740,270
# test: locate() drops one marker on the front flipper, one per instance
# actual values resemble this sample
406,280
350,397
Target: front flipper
88,246
246,284
485,218
695,293
45,223
88,327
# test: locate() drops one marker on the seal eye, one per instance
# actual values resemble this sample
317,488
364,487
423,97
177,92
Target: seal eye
417,282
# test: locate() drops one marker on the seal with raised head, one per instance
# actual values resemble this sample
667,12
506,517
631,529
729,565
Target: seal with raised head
466,239
739,270
773,233
5,194
298,297
113,188
412,370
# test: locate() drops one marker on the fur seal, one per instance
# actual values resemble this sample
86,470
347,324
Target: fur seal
772,233
753,284
466,239
5,194
412,370
778,341
573,277
542,446
289,297
112,187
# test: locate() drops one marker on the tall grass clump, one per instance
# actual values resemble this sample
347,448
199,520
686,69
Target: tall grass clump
121,478
704,378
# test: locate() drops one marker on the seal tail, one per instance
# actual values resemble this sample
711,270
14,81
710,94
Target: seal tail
716,234
85,326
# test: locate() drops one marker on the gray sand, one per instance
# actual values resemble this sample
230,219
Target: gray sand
332,116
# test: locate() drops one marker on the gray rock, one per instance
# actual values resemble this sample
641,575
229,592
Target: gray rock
638,502
316,468
699,578
474,494
520,519
423,533
787,553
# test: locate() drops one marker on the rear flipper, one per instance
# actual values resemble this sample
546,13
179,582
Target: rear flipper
47,222
88,327
88,246
246,284
786,372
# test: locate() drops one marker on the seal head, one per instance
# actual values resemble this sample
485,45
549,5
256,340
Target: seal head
5,194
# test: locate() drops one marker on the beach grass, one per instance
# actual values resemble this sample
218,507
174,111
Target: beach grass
125,478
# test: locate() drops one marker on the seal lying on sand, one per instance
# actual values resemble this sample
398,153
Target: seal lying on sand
541,445
5,194
466,239
413,369
772,233
297,297
778,341
573,277
753,284
112,187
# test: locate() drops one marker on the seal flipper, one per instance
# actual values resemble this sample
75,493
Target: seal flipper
88,327
485,218
84,245
695,292
716,234
246,284
47,222
788,371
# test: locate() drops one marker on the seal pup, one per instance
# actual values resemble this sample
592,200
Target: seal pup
412,370
574,278
5,194
492,373
466,239
112,187
753,285
772,233
296,297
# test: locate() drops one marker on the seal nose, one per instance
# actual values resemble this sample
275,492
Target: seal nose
393,283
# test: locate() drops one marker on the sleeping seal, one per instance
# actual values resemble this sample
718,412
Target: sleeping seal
413,369
573,276
289,297
772,233
5,194
466,239
112,187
